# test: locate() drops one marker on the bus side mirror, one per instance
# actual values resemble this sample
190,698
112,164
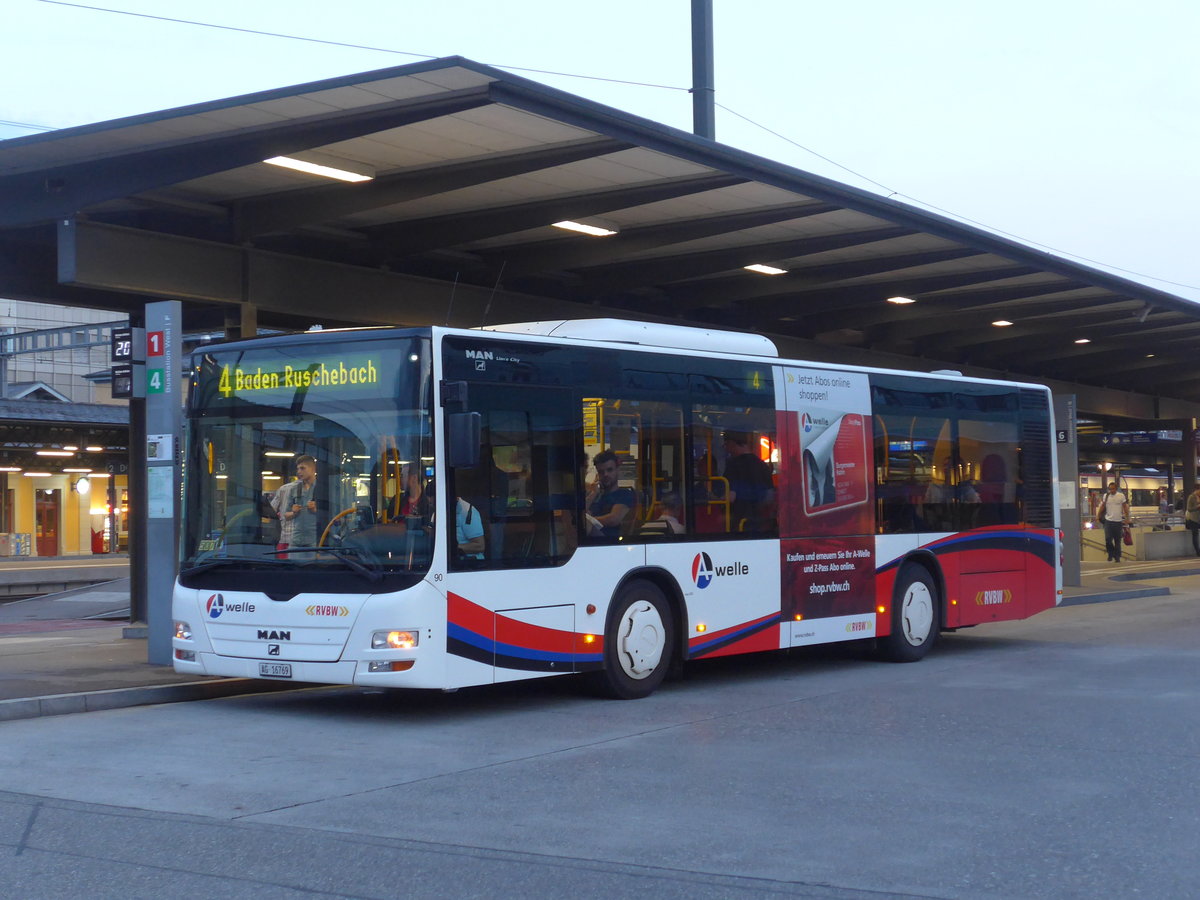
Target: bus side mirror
464,431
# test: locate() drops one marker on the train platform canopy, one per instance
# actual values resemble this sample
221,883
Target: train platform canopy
464,171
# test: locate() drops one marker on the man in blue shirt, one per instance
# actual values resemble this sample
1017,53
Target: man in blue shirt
608,503
468,530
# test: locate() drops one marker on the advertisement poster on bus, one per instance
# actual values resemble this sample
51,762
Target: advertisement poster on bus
826,516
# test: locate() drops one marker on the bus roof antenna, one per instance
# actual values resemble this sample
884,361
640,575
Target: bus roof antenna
450,305
495,287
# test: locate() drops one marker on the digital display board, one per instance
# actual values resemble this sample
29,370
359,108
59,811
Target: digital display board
314,372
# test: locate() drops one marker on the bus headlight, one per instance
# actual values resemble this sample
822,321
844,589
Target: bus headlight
183,630
394,640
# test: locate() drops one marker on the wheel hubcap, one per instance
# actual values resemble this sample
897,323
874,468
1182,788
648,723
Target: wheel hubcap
916,613
641,640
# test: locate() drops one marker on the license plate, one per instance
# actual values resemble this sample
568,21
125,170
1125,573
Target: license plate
275,670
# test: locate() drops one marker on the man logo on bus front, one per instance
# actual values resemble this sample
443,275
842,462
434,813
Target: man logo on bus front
702,570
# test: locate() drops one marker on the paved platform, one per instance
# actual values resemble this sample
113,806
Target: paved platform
25,576
67,652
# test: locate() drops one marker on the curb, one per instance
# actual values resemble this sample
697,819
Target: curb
1130,594
1162,573
121,698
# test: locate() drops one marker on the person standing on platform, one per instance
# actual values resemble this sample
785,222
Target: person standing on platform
1113,516
1191,518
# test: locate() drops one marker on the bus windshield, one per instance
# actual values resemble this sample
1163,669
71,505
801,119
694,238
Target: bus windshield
315,456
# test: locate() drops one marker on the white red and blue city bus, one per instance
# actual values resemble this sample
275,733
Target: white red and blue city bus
895,505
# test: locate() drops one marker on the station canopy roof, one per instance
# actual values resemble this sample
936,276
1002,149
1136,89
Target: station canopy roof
470,167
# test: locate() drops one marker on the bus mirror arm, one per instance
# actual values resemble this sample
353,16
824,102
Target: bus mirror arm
464,430
454,396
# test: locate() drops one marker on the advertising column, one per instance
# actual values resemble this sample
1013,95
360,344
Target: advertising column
164,420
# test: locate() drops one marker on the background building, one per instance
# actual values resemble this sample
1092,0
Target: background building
64,454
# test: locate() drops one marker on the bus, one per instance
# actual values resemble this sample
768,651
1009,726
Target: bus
597,497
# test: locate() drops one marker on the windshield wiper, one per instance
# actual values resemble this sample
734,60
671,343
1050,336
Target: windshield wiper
346,555
231,560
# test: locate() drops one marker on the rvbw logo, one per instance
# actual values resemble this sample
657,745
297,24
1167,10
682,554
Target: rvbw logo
703,570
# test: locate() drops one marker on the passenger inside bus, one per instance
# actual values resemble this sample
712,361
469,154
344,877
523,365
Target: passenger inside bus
939,509
296,505
468,529
751,487
415,501
670,514
608,504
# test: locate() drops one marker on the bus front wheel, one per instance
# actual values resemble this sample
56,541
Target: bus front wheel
914,616
638,644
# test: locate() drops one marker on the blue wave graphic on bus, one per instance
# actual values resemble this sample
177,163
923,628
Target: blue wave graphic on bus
472,645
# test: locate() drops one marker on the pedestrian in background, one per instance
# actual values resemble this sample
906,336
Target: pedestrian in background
1113,516
1191,518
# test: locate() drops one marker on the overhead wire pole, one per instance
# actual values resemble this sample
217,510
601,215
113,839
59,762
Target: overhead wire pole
704,104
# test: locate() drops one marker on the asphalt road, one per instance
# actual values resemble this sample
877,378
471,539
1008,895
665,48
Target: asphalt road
1054,758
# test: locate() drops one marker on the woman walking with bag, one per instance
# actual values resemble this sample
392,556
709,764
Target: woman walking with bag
1191,518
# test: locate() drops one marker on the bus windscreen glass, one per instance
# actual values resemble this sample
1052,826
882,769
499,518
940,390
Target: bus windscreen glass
313,456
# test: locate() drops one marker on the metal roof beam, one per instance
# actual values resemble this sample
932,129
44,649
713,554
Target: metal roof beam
928,320
60,192
949,302
1084,316
157,265
291,209
1058,351
812,303
1082,326
27,272
831,273
687,266
419,235
574,253
1107,363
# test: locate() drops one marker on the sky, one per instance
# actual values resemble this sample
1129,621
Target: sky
1070,125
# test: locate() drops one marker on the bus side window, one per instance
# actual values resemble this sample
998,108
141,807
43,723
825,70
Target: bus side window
735,470
524,485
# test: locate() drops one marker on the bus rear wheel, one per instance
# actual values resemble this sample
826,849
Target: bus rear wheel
638,644
915,607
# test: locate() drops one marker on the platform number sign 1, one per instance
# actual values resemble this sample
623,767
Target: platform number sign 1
155,382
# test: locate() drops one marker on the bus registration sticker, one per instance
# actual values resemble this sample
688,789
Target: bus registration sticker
275,670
